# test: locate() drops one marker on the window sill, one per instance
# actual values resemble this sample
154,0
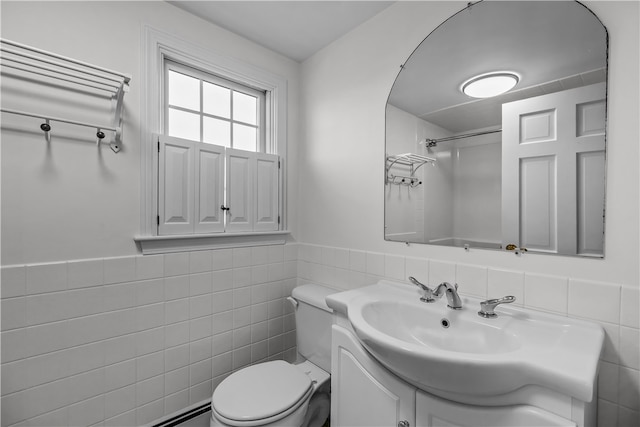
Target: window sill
199,242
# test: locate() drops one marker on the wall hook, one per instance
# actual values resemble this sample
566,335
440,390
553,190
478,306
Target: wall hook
99,137
46,128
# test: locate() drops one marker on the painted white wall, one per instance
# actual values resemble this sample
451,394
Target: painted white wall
345,88
70,200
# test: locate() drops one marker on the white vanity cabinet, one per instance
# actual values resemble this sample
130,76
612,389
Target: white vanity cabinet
366,394
363,392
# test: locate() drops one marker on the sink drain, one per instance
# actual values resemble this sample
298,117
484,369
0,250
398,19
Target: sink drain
445,323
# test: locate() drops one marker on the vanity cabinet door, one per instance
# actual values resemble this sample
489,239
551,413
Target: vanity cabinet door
363,392
435,412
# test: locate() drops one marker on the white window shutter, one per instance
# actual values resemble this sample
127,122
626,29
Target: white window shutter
175,186
240,190
209,188
266,193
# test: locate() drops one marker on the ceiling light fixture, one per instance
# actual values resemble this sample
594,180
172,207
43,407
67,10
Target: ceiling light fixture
490,84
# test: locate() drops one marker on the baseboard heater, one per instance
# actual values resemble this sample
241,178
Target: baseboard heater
185,416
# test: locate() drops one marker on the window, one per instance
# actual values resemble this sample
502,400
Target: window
212,176
213,164
204,107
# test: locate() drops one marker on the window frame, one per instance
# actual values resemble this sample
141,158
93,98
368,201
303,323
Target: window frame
158,47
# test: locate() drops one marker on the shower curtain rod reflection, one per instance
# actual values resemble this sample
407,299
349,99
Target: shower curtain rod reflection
432,142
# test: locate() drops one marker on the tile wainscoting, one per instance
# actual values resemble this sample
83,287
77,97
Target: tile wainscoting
125,341
128,340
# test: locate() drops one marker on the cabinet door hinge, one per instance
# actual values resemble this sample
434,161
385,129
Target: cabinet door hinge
278,164
278,219
158,146
158,219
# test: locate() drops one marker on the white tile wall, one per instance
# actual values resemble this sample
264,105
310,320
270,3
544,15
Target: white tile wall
124,341
614,306
127,340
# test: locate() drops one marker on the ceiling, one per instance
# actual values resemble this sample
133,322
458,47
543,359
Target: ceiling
295,29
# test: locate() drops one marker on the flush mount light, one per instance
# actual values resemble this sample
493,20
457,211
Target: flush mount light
490,84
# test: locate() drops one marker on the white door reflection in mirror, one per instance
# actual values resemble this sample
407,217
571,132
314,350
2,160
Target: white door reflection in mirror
553,157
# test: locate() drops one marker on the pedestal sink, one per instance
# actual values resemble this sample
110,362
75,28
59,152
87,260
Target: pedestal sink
439,349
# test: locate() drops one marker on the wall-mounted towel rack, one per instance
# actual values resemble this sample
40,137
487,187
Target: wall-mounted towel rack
413,161
76,74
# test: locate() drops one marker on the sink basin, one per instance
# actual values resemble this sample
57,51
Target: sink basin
458,352
435,329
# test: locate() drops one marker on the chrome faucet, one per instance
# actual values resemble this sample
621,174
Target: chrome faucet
430,295
487,307
453,299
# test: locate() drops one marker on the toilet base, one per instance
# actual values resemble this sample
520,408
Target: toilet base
318,410
295,419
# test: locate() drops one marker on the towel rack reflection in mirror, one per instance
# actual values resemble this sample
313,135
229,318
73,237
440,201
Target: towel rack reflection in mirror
412,161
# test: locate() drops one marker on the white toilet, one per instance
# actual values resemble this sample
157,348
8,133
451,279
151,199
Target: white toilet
278,393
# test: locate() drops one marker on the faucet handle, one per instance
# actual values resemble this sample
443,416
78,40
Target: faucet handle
487,307
427,292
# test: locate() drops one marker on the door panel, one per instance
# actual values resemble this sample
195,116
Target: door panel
539,126
266,192
538,211
590,196
209,179
176,182
239,190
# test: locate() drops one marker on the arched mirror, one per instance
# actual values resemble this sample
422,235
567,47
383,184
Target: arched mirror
495,132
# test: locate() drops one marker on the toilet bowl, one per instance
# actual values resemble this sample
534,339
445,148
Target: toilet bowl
278,393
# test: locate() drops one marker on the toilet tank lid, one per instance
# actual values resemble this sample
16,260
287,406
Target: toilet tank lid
314,295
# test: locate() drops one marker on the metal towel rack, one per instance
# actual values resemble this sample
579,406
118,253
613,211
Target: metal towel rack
38,62
433,142
413,161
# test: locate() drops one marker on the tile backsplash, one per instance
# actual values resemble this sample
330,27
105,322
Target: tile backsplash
614,306
128,340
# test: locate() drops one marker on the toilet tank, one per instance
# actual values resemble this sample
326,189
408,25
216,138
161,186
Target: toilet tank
313,324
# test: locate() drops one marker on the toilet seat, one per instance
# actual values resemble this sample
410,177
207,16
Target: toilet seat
261,394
